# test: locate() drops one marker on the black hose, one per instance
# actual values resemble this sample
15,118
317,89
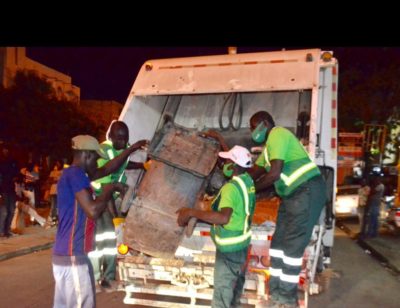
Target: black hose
221,126
240,113
231,112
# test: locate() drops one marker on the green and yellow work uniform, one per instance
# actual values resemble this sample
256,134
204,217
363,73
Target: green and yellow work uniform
232,240
104,257
303,193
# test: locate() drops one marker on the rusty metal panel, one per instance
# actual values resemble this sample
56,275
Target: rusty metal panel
186,150
176,181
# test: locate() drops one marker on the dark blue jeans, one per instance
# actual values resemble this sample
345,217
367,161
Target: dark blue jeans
373,224
7,212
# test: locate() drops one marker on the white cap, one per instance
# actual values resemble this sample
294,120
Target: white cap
239,155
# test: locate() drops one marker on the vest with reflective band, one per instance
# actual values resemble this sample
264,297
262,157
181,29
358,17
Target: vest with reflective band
118,176
294,173
235,240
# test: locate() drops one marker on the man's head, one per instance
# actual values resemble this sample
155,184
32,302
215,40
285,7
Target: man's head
119,135
86,151
261,124
239,158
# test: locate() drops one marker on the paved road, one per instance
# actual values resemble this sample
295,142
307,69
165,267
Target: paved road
362,282
27,281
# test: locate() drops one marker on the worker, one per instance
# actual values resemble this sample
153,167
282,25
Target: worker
231,217
77,209
285,164
103,258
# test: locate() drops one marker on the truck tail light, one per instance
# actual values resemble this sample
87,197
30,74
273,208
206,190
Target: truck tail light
123,249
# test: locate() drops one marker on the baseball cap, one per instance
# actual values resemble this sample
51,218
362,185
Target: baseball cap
86,142
239,155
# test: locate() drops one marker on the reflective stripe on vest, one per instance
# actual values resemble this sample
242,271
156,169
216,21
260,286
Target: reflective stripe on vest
96,185
246,233
297,174
110,153
232,240
246,201
266,157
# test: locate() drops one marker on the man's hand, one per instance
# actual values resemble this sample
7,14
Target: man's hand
119,187
202,205
141,144
217,136
184,215
212,134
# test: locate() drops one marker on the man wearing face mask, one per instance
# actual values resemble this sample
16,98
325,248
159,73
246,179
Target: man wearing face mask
285,164
231,216
104,257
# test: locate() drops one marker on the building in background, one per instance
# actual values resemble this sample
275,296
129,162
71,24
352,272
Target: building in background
13,59
101,112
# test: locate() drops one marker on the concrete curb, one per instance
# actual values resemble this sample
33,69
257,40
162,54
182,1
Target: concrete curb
377,255
25,251
369,248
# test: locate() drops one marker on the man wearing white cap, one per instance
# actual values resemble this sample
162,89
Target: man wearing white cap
77,208
231,216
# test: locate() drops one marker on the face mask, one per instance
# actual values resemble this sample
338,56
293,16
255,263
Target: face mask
228,170
259,133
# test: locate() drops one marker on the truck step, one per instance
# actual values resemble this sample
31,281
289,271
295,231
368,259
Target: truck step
163,295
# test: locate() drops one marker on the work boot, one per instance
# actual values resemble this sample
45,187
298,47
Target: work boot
108,285
105,284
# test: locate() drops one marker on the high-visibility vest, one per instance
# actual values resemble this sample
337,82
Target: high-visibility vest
294,173
234,240
118,176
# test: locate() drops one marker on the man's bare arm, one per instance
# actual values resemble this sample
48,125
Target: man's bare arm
93,208
219,218
270,177
116,162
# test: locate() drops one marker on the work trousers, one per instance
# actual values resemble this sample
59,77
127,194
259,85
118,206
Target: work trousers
104,257
297,216
229,278
74,284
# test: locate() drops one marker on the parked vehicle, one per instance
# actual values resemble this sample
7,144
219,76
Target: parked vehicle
346,201
392,219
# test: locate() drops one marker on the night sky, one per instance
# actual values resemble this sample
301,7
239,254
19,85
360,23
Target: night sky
109,72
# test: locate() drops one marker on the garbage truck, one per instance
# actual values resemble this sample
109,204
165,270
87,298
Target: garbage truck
172,102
